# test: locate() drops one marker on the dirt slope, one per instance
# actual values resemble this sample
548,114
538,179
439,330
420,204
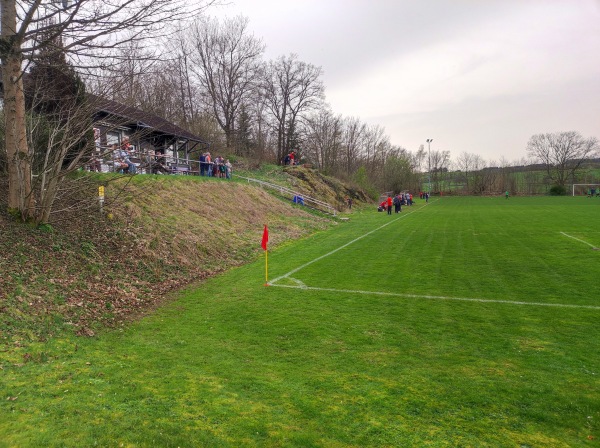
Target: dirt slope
329,189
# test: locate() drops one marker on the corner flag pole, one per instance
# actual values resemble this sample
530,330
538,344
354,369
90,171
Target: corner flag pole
266,267
265,241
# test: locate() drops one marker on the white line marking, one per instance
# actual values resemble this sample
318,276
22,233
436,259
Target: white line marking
341,247
300,284
581,241
460,299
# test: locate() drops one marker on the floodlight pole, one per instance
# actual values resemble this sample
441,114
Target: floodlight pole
429,140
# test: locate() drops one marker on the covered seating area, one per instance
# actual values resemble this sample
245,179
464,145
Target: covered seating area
125,135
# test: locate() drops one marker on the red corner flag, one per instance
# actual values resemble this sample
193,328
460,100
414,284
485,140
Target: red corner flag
264,242
265,238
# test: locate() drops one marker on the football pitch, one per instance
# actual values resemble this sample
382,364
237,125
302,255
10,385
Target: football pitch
464,322
521,251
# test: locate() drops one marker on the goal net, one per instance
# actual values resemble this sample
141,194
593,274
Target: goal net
586,189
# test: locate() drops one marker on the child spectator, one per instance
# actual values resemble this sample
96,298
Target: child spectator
228,169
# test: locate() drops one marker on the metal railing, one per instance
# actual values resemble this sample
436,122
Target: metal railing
284,191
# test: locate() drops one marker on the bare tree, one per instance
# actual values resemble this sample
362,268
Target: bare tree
478,174
226,61
181,74
398,173
86,28
383,150
324,139
439,166
507,176
562,153
65,147
374,138
259,129
290,88
353,139
419,158
464,164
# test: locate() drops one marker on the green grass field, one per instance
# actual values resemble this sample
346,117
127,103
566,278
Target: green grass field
467,322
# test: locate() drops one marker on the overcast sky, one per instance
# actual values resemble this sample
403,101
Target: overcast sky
480,76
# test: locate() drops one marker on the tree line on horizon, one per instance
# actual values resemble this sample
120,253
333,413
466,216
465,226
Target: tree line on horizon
223,89
209,76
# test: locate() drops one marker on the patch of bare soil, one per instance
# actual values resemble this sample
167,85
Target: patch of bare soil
329,189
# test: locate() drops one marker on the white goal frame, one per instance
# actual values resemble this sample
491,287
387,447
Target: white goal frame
585,185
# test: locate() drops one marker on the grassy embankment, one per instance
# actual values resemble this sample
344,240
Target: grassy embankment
87,271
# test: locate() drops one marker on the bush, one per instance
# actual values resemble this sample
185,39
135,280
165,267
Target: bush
558,190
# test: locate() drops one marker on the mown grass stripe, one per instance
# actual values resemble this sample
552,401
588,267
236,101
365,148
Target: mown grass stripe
340,248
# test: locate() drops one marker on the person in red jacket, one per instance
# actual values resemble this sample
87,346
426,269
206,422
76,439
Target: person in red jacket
389,204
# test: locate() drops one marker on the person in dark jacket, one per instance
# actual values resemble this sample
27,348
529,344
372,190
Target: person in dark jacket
203,164
397,203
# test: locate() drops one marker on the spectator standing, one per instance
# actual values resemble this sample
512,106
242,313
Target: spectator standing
389,205
203,164
228,169
222,168
397,203
219,166
209,165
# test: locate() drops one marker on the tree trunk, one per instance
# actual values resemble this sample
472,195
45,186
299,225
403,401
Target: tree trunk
20,198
